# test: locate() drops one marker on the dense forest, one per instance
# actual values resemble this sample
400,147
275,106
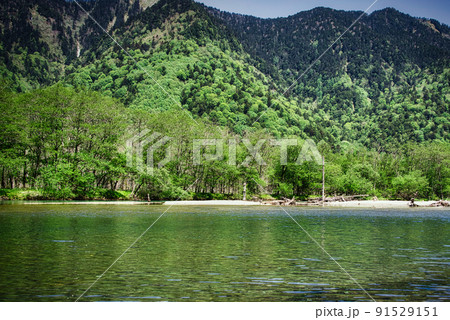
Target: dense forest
376,104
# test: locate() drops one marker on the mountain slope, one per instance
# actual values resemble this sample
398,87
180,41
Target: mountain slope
385,79
194,58
36,40
39,38
294,42
385,82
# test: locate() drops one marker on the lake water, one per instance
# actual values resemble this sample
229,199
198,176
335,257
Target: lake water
55,252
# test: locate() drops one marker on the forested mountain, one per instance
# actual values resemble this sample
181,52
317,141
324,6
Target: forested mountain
386,79
40,37
383,37
383,88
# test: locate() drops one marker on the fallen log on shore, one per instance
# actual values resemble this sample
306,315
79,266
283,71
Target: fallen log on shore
440,203
313,201
284,202
337,198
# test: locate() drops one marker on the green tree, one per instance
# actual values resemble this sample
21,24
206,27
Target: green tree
412,185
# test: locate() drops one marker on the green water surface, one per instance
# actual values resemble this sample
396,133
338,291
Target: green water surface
55,252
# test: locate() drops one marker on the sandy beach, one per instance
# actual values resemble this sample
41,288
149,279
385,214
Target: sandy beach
349,204
381,204
71,202
212,203
376,204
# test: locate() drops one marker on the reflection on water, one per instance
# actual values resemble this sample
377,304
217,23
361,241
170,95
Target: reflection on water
54,252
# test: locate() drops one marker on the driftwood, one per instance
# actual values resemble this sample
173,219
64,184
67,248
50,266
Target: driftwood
284,202
440,203
274,202
289,202
318,201
337,199
313,201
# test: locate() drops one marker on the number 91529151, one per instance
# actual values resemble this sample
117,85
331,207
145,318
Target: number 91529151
406,311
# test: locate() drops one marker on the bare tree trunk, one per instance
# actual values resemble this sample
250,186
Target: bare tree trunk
25,172
132,191
244,193
3,178
323,181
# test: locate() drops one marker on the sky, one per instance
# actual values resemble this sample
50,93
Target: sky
436,9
